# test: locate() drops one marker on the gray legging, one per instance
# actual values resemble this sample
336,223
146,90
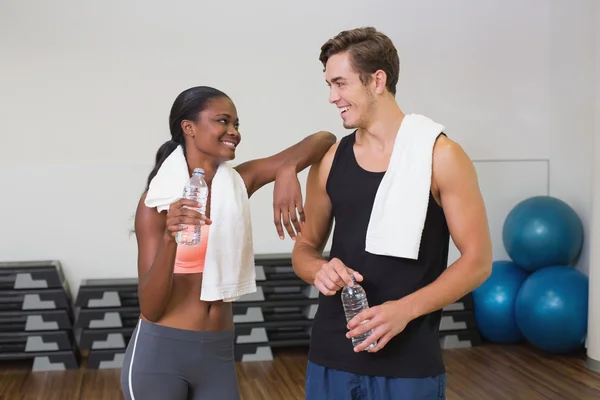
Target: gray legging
175,364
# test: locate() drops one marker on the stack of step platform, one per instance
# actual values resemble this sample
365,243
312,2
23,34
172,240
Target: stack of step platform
280,314
36,318
458,328
107,311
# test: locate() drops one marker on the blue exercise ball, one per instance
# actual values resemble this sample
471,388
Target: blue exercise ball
552,309
542,231
494,303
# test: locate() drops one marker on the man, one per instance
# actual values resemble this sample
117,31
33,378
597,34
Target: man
406,295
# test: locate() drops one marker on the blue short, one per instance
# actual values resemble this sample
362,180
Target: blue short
325,383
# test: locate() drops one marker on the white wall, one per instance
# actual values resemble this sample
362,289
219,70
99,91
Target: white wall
509,79
593,332
572,107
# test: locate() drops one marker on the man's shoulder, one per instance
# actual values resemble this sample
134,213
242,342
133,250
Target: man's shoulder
327,159
450,163
322,168
446,150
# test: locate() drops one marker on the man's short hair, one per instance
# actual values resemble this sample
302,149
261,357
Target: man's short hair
369,51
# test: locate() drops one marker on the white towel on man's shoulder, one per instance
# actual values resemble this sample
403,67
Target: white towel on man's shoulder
229,270
400,208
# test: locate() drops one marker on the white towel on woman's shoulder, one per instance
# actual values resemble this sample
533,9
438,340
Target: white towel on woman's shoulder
229,271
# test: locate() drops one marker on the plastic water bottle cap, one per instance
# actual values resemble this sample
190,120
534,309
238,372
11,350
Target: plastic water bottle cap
198,171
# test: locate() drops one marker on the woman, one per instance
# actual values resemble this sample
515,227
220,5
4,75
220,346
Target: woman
183,347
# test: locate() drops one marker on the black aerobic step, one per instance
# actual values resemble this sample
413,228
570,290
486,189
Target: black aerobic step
34,299
460,339
19,275
112,338
105,359
47,360
26,342
28,321
105,293
102,318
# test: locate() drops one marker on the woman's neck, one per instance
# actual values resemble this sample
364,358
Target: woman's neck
208,164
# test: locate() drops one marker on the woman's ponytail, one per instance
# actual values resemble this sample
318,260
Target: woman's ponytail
163,152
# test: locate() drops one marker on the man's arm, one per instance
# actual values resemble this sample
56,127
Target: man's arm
307,259
307,256
456,180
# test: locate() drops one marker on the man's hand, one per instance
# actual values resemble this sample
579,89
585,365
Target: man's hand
386,320
333,276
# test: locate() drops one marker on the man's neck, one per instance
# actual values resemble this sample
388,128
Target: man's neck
381,132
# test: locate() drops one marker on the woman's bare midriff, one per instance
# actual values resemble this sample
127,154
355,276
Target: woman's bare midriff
186,311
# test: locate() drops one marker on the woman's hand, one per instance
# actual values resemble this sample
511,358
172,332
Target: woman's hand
287,202
183,213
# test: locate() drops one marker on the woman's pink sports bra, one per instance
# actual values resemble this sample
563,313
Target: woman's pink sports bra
190,260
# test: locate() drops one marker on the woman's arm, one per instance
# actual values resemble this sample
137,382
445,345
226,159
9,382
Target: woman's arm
156,253
283,168
257,173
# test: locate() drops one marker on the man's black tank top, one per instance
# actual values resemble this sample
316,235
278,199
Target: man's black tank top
415,352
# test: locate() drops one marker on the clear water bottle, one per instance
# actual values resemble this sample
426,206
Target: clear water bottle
195,189
354,299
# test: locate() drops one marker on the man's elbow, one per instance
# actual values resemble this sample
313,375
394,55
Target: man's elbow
298,253
482,266
303,257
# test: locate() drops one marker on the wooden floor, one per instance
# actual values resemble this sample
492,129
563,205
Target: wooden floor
488,372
